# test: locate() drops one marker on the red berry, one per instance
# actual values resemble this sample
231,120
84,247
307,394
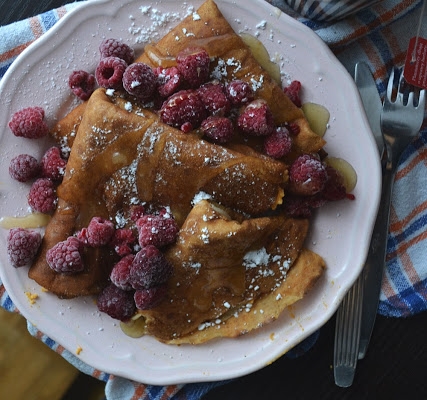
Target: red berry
53,165
297,206
293,128
193,64
218,129
307,175
98,233
156,230
65,256
117,303
183,107
214,98
145,299
293,92
109,72
122,241
24,167
120,274
140,81
149,268
256,119
29,123
42,196
116,48
334,187
82,84
278,144
239,92
169,80
22,246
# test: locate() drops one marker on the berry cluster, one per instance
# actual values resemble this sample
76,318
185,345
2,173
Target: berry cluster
139,280
47,173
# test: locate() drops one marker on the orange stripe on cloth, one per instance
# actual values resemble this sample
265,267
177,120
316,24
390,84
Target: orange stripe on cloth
399,225
170,391
61,11
14,52
140,389
404,246
420,158
36,27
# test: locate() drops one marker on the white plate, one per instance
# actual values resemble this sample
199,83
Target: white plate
340,232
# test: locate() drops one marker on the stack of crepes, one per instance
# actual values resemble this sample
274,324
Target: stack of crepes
239,261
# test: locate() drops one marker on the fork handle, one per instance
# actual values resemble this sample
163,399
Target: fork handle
375,262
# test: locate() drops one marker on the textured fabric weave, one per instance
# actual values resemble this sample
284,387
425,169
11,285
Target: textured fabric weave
378,35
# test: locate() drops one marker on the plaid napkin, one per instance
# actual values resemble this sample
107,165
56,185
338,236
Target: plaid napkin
379,36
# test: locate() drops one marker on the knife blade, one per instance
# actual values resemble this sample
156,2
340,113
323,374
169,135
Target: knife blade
374,264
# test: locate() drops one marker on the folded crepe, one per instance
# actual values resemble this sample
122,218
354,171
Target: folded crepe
231,275
121,158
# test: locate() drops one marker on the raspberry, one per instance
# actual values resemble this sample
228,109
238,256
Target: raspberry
53,165
120,273
24,167
109,72
334,187
293,128
98,233
149,268
22,246
214,98
140,81
297,206
117,303
256,119
239,92
42,196
156,230
146,299
193,64
65,256
218,129
122,241
116,48
307,175
82,84
183,107
169,80
136,212
29,123
278,144
293,92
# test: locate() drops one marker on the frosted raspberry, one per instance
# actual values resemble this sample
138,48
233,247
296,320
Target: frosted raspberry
239,92
24,167
278,144
307,175
156,230
122,241
137,212
293,128
42,196
82,84
293,92
22,246
334,187
256,119
29,123
120,273
65,256
109,72
145,299
117,303
218,129
183,107
149,268
116,48
169,80
98,233
214,98
140,81
193,64
53,165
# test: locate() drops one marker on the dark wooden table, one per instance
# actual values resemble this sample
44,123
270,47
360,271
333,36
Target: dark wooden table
396,362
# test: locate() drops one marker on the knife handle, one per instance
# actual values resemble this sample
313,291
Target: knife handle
375,263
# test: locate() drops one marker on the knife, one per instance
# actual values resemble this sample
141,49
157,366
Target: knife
374,264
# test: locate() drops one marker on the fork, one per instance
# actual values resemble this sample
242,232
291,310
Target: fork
401,119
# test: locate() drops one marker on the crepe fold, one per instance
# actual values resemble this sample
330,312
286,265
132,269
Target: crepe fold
121,158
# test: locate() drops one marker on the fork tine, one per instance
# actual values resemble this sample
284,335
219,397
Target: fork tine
390,85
